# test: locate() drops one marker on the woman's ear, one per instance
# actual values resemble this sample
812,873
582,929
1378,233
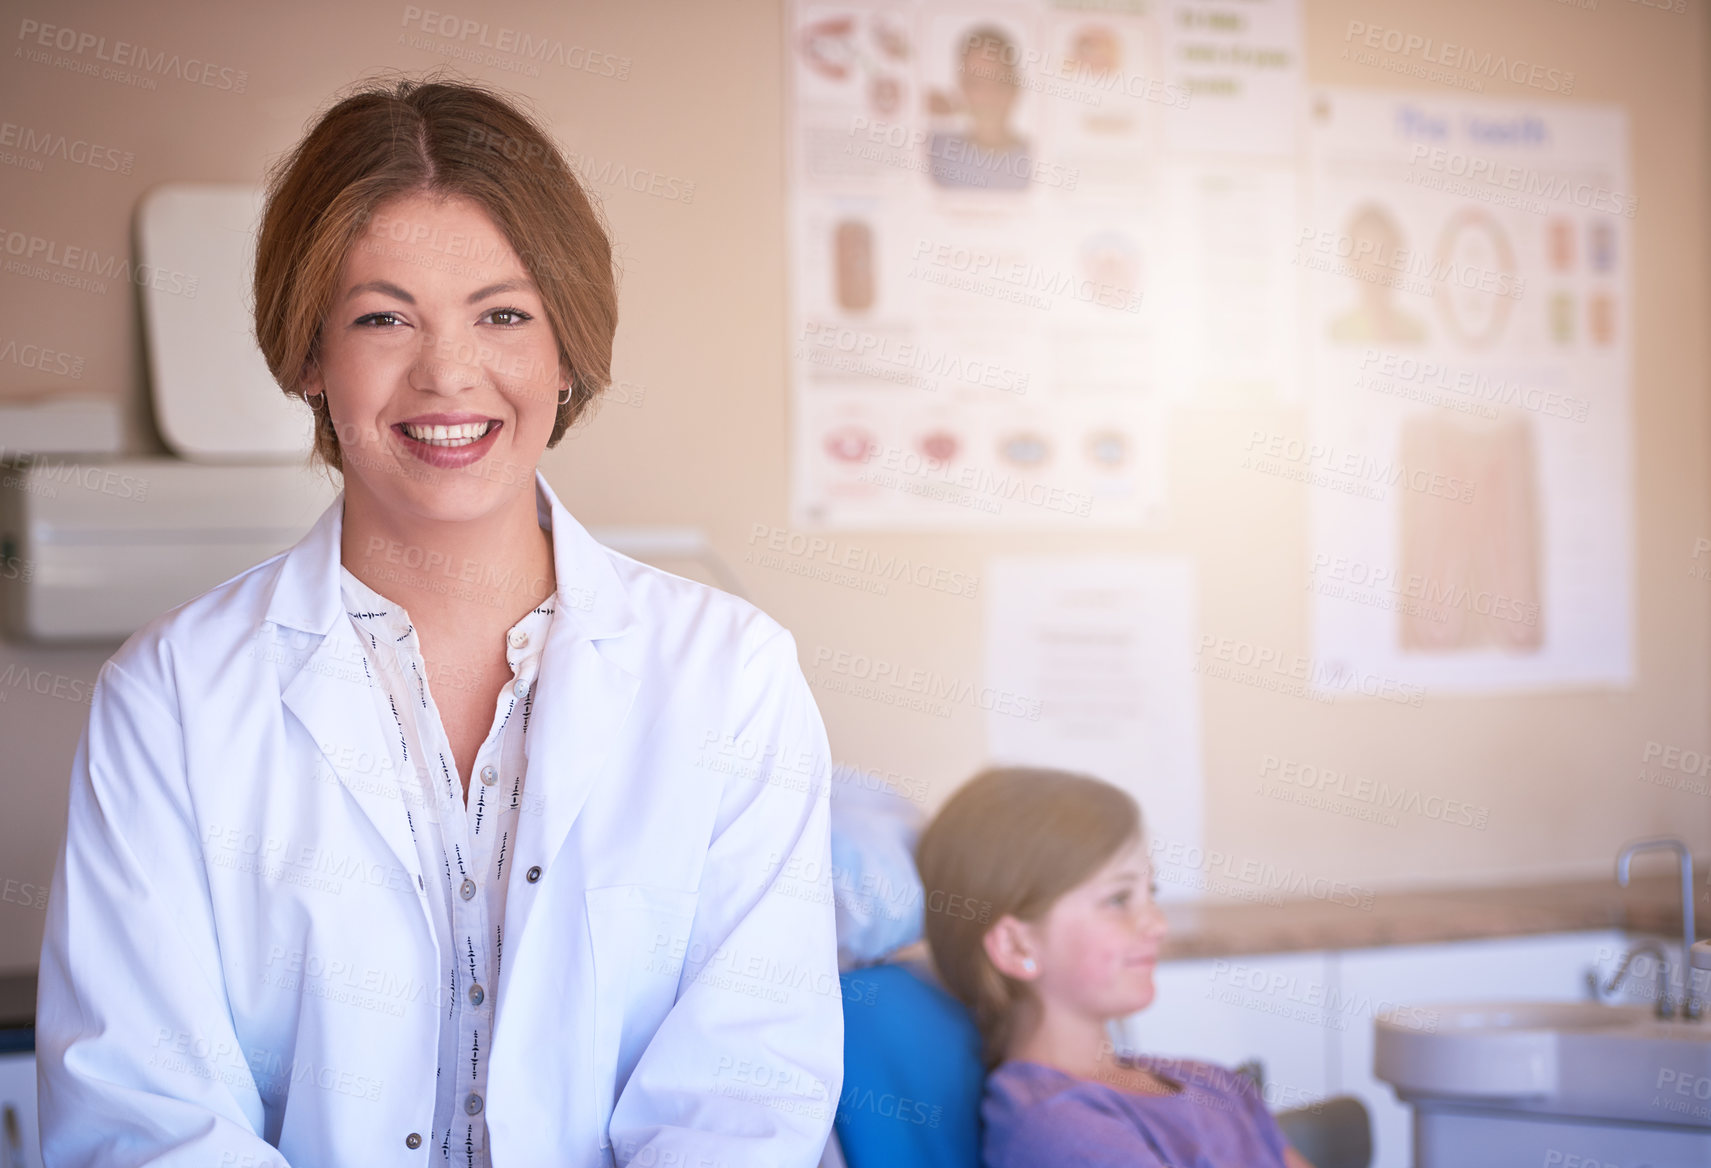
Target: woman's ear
1011,948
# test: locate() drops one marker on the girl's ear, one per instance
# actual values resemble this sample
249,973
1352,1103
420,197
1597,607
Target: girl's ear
1010,946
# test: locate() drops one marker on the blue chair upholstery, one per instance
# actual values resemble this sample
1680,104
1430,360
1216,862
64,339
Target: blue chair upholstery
913,1082
912,1072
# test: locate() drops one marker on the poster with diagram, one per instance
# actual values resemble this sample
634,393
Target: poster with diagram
980,205
1468,446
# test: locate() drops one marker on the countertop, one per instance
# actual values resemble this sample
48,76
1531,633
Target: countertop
1204,929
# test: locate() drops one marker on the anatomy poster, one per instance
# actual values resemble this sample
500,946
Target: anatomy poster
1468,451
991,214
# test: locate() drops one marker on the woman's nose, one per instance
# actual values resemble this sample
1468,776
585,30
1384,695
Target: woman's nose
446,362
435,373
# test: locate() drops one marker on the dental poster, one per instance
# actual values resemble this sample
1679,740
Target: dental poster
1005,259
1468,445
1109,643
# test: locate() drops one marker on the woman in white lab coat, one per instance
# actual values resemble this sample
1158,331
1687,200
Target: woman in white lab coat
447,836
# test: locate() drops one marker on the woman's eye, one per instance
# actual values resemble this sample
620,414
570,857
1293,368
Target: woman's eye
508,317
1152,890
1121,897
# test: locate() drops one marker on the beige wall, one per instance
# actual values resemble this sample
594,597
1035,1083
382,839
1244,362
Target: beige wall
703,337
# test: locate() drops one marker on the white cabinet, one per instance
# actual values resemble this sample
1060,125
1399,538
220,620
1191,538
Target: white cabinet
18,1096
1308,1017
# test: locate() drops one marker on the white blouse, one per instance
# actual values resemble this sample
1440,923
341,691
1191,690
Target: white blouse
468,844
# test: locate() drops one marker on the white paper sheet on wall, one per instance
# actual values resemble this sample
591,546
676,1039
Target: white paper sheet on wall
981,260
1468,447
1242,64
1229,332
1109,644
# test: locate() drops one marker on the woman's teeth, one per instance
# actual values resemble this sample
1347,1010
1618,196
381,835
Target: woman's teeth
449,435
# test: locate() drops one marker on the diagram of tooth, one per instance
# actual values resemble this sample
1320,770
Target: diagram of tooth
853,265
1470,535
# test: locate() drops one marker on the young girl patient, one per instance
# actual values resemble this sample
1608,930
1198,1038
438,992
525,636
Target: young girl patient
1064,938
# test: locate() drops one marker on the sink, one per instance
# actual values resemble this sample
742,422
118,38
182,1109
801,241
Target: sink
1502,1083
1584,1059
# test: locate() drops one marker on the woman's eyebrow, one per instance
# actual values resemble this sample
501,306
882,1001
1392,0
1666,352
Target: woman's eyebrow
381,286
392,289
495,289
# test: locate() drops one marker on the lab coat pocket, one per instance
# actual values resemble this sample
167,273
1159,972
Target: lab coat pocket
639,934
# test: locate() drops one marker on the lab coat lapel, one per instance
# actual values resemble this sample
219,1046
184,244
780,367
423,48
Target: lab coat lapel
581,705
583,697
331,695
344,719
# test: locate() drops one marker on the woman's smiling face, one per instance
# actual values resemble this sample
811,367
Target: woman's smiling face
440,368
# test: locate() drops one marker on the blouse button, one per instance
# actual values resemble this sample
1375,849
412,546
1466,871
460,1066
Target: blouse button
412,1141
468,888
534,874
473,1105
476,995
517,638
489,775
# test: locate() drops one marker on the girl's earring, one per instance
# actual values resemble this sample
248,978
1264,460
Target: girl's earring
566,398
1028,964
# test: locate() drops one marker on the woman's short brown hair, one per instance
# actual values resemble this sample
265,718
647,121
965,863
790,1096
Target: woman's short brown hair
411,136
1011,840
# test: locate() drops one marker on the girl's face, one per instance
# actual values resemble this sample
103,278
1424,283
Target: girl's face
1096,949
434,323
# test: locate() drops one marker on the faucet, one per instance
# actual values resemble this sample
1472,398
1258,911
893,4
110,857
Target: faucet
1689,1005
1660,991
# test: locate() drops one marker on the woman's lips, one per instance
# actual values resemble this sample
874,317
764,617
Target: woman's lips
450,457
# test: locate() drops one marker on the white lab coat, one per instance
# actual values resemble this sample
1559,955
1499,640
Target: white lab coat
239,968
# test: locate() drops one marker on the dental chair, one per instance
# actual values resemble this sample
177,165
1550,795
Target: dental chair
913,1080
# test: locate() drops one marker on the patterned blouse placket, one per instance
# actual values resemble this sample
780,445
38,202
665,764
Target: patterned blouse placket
467,843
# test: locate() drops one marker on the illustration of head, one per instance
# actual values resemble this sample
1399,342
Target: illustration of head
988,72
1372,245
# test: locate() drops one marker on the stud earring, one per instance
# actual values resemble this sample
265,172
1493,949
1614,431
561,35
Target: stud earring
1028,964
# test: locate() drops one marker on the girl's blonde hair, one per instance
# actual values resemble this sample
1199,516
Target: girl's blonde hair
1011,840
